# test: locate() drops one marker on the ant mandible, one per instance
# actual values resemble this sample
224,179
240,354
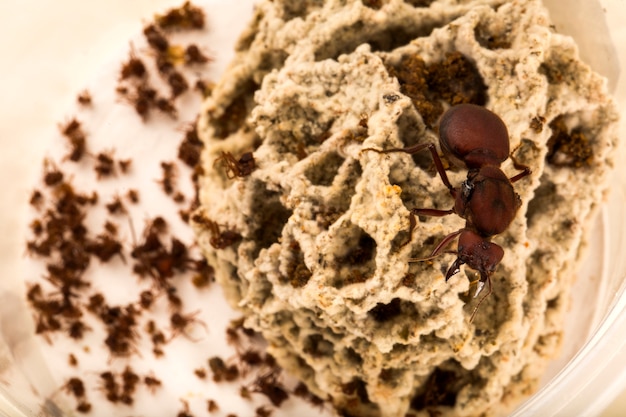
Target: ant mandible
474,137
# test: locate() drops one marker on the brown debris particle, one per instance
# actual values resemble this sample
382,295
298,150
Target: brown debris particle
568,147
185,17
84,98
191,147
77,139
134,67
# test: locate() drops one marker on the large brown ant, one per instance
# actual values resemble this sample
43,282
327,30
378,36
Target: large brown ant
474,137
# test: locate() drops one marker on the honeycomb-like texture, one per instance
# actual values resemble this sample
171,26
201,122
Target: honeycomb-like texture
310,245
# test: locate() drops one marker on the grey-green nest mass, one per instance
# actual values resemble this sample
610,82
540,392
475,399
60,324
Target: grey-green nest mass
310,244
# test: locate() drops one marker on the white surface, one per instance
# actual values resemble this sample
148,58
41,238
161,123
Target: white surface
50,50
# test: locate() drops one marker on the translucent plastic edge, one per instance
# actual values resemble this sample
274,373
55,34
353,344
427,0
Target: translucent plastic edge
581,387
579,376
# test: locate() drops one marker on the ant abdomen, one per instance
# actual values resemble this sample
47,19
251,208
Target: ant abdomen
473,136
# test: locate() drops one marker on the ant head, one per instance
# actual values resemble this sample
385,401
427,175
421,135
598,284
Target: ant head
474,136
478,253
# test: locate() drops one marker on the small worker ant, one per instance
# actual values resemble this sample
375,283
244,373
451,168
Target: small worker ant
474,137
236,168
179,323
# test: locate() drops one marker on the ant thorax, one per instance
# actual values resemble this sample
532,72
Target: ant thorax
467,187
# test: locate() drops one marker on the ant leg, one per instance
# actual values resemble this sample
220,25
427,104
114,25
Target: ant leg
416,148
445,242
526,171
411,227
431,212
425,212
439,249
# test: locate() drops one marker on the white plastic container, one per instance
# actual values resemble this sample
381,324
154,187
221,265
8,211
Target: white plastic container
591,371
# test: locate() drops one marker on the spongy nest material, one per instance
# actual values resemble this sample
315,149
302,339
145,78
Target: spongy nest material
316,258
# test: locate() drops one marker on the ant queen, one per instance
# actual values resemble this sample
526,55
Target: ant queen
473,137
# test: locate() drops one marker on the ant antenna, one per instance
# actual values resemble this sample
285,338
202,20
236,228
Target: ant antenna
431,257
439,248
524,169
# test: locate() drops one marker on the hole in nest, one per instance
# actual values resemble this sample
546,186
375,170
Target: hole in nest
316,346
568,147
409,126
419,3
356,388
373,4
454,80
236,112
546,195
443,385
328,211
391,376
357,264
294,9
411,132
378,37
491,37
272,59
352,356
382,313
324,172
362,253
270,216
553,303
395,309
